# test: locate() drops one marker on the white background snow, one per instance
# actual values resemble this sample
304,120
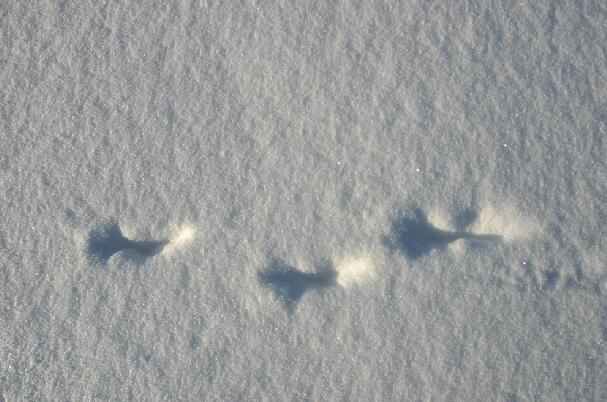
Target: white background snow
304,134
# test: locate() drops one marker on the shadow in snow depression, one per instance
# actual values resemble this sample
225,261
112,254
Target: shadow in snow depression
109,240
291,284
416,236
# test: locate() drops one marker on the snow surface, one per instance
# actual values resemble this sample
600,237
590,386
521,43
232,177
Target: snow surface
311,200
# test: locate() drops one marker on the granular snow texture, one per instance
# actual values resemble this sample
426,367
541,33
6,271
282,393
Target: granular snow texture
303,200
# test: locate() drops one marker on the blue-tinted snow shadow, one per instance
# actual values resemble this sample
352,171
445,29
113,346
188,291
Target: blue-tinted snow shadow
416,237
109,240
291,284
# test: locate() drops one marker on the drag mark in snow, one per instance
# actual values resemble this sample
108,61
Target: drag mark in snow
511,223
416,236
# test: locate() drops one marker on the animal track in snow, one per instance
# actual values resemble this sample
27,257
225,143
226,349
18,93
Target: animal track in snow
416,236
109,240
291,284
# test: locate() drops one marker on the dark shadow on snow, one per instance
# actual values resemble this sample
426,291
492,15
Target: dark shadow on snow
416,236
109,240
291,284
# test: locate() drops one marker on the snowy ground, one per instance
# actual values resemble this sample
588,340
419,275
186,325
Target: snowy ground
271,200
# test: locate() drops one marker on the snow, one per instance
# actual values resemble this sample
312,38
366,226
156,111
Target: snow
303,200
355,271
